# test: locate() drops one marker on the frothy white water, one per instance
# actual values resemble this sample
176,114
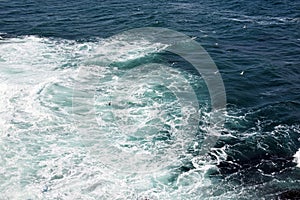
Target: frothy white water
44,155
297,158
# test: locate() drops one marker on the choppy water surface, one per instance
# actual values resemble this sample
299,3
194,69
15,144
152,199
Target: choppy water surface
47,150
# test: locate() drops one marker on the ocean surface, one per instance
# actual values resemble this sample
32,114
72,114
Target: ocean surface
53,147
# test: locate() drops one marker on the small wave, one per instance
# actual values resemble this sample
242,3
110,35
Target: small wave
261,20
121,49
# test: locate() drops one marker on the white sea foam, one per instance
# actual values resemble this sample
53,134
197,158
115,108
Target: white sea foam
297,158
44,156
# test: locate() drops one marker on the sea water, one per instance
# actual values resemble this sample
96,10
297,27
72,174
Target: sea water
66,134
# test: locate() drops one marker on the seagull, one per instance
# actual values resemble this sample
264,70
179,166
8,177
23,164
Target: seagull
242,73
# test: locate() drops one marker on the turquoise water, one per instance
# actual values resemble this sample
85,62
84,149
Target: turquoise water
84,114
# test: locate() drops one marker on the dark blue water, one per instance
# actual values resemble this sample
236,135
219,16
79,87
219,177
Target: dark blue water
256,46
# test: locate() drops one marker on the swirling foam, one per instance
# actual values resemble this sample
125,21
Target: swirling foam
43,155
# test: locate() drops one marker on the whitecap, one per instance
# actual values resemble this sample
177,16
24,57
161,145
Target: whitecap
297,158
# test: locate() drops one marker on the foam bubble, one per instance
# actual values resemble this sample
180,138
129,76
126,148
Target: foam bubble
297,158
